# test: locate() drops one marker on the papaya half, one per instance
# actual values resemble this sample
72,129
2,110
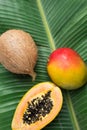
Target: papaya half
38,107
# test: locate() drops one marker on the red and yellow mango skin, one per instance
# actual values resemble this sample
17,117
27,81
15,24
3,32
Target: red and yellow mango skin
67,69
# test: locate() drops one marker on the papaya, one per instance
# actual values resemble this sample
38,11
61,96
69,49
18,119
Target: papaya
38,107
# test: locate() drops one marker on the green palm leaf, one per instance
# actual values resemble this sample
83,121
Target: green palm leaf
52,24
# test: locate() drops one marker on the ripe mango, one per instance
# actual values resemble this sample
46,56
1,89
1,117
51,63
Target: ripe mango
67,69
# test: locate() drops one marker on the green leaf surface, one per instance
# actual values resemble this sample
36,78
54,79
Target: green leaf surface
52,24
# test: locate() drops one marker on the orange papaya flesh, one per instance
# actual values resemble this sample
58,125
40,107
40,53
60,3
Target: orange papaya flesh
38,107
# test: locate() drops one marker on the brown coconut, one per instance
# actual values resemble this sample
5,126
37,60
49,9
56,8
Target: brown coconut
18,52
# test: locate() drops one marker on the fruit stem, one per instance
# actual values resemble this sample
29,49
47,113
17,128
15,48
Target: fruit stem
33,75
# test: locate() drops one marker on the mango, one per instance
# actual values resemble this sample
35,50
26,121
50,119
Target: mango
67,69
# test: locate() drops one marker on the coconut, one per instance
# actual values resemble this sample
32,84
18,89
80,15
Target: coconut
18,52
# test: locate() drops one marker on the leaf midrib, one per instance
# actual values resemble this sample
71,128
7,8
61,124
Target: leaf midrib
52,46
71,110
47,28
